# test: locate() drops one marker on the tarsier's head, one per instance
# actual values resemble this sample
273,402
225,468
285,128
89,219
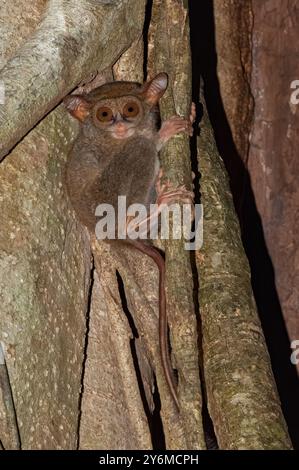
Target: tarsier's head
119,108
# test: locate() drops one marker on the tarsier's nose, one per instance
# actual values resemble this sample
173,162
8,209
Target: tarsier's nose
119,124
118,118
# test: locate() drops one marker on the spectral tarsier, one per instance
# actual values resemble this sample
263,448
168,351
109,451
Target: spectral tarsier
116,154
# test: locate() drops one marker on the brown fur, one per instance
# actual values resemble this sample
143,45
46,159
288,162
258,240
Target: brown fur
103,166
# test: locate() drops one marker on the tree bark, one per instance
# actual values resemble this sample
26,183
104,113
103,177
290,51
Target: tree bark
20,16
44,270
233,29
45,257
247,57
169,51
241,392
263,178
272,161
74,38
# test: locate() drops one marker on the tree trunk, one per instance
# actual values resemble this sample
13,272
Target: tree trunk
74,39
257,60
80,365
241,391
45,271
272,161
45,255
171,53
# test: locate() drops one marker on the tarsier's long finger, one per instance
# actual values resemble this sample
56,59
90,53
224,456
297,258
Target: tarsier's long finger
186,128
180,189
192,118
160,174
169,188
176,195
188,194
176,118
159,186
168,185
174,199
181,125
193,113
184,189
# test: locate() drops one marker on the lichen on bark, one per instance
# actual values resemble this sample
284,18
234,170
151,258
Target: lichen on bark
44,269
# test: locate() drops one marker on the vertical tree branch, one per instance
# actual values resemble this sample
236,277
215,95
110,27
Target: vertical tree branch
242,396
170,37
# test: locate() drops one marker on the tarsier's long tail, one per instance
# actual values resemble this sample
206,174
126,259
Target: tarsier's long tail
154,254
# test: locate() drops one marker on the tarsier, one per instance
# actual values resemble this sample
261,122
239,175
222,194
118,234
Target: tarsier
116,154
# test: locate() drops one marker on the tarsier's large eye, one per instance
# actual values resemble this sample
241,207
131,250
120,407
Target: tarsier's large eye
104,114
131,109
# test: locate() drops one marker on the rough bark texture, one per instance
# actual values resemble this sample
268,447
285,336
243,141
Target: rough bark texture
242,396
273,161
20,15
130,64
170,52
44,269
112,411
45,260
233,25
265,185
74,38
141,289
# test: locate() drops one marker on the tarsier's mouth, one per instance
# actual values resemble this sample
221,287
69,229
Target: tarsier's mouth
123,132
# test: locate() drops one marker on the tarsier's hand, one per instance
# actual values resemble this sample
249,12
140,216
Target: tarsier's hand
176,125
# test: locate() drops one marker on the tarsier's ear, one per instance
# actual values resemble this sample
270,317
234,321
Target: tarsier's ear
77,106
155,88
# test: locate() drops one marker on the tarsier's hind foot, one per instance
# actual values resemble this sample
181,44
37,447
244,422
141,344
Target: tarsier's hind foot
168,194
171,194
192,116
